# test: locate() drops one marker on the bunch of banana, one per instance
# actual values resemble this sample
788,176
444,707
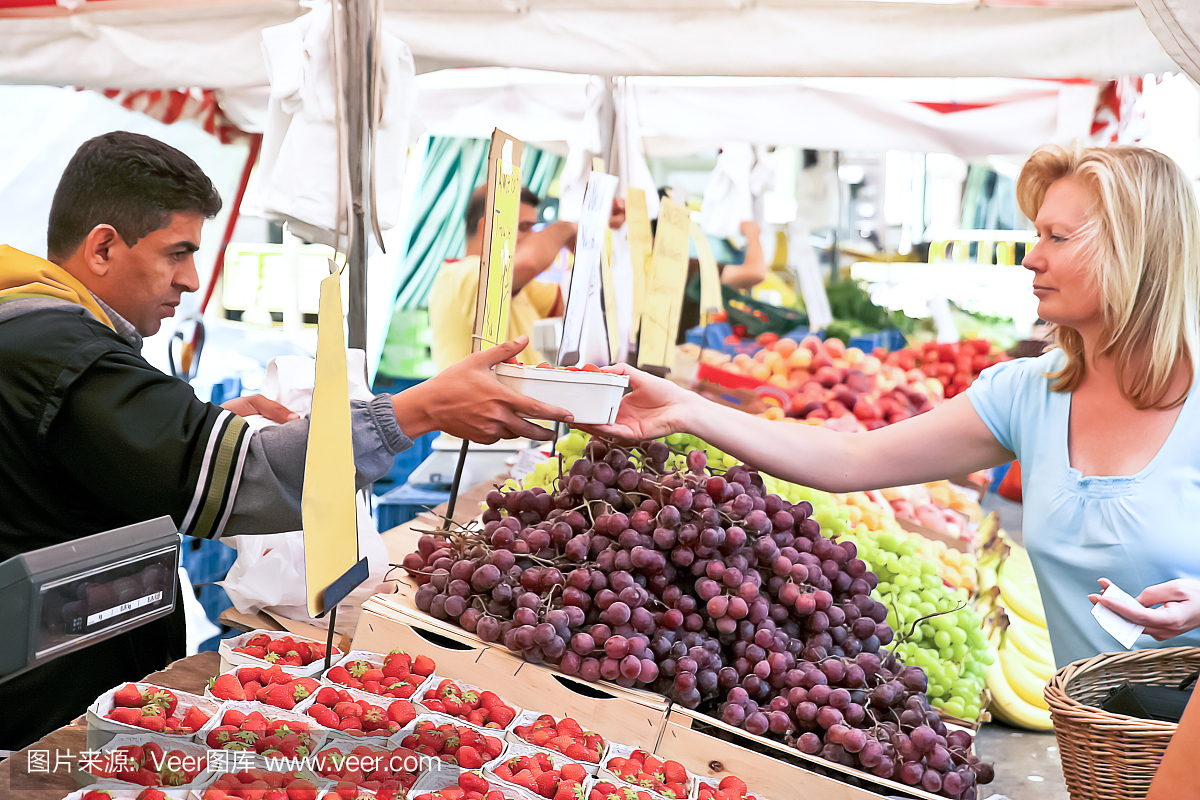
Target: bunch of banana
1010,601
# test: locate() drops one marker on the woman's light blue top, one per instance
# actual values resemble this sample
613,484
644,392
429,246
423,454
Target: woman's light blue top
1136,530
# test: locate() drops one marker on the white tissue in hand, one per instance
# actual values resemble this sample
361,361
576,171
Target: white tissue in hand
1122,630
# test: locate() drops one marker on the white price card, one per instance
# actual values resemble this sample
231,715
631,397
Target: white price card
943,320
585,272
1122,630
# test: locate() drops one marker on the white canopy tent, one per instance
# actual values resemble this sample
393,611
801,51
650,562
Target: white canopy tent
148,44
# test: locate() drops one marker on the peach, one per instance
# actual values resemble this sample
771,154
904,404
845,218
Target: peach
786,347
801,358
812,343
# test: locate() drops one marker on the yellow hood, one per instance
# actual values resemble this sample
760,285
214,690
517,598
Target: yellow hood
23,275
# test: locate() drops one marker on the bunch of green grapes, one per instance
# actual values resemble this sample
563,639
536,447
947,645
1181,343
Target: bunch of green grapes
951,647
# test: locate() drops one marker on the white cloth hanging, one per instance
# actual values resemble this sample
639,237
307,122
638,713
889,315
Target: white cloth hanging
298,168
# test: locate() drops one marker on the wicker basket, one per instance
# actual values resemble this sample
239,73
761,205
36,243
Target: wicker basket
1110,756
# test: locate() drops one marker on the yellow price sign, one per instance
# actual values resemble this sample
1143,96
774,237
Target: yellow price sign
640,243
710,276
501,215
665,284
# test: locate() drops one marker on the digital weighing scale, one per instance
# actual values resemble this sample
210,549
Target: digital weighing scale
68,596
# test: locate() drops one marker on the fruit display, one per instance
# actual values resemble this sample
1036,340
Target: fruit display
483,709
1017,634
397,675
455,744
608,790
955,365
699,584
339,710
286,651
258,784
149,793
385,773
156,709
565,736
540,774
642,770
147,763
272,686
254,731
917,504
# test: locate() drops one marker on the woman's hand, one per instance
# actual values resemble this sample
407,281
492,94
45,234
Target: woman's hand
653,407
256,404
1180,611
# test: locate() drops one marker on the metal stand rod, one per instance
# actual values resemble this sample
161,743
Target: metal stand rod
458,471
329,636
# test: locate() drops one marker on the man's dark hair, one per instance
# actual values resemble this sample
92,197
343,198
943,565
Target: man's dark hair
477,205
129,181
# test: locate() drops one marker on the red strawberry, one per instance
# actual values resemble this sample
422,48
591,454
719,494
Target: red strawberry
227,687
423,666
129,716
281,645
734,785
128,696
501,716
472,782
573,772
96,794
674,772
338,674
469,758
546,783
569,790
152,794
327,696
259,640
156,724
324,716
581,753
401,712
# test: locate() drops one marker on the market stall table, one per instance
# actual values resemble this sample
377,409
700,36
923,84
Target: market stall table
189,674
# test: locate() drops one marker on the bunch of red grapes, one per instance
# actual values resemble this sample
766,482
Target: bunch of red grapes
708,590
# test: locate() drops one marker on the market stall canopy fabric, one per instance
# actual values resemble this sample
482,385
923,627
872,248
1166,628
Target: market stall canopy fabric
146,44
1176,23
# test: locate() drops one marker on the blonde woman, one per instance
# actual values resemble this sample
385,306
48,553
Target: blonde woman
1106,425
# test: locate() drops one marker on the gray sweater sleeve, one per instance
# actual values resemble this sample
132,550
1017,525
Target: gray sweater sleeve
267,498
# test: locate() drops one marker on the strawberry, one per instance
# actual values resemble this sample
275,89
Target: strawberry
573,772
338,674
128,696
472,782
281,646
674,772
401,712
579,752
502,716
733,785
253,652
569,790
323,715
152,794
153,723
164,699
129,716
423,666
546,783
259,640
96,794
327,696
227,687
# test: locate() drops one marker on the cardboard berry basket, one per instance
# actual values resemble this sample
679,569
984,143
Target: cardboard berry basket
435,680
376,660
528,717
435,780
263,765
715,782
100,729
235,670
769,767
592,397
191,750
384,752
372,737
518,749
318,734
441,719
618,750
616,713
230,659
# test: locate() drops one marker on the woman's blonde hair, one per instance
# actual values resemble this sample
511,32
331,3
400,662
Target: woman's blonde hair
1144,243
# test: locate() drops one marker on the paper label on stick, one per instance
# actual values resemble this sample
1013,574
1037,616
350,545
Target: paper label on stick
502,213
585,272
610,299
641,241
1122,630
665,285
327,504
710,276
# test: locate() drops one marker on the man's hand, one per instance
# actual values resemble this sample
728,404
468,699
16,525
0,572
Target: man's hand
467,401
1180,610
256,404
750,229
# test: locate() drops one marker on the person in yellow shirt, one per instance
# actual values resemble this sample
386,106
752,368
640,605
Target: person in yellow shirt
452,298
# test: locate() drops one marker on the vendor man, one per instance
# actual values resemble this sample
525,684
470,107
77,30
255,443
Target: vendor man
92,437
452,297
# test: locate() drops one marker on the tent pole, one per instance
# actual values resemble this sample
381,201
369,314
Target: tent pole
359,29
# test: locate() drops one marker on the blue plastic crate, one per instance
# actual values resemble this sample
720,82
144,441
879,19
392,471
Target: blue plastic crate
403,504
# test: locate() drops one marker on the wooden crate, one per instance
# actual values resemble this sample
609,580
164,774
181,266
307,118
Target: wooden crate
616,713
768,767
